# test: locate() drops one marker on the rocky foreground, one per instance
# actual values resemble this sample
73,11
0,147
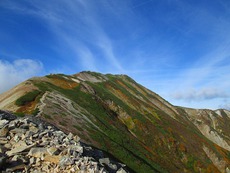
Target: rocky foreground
30,145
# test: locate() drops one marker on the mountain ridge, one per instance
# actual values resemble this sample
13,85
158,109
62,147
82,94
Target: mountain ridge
130,121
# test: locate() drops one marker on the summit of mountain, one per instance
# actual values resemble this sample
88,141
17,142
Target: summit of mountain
135,125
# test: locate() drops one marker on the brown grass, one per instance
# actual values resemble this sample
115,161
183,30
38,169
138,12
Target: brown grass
28,108
63,83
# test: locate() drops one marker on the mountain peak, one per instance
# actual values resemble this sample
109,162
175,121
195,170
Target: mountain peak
91,76
132,123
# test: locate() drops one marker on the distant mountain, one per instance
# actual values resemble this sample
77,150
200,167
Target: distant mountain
123,118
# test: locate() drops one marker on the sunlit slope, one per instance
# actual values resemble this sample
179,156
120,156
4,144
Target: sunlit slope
134,124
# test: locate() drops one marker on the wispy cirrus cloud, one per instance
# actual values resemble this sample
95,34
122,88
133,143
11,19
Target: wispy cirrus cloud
79,29
176,48
75,24
207,75
12,73
86,56
99,37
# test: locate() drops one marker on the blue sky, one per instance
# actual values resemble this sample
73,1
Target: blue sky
179,49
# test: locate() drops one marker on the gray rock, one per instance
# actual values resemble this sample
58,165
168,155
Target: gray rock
49,127
12,125
3,140
121,170
32,124
76,138
76,148
18,167
7,146
7,116
16,138
32,160
30,142
53,151
55,141
227,170
43,148
38,152
29,133
3,123
82,167
18,130
20,147
113,166
44,143
104,161
41,127
65,161
24,126
35,135
70,136
60,136
33,129
15,158
43,133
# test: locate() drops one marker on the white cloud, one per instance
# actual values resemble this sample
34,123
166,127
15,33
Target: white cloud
12,73
107,49
202,94
78,29
86,56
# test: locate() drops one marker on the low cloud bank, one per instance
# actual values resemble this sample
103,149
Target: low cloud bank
203,94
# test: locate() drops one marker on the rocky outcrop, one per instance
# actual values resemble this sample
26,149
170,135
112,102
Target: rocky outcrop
210,124
91,77
30,145
221,164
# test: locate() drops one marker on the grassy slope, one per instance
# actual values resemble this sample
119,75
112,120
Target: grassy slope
115,139
160,143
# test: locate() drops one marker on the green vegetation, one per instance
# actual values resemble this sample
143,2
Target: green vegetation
228,154
35,112
48,116
78,128
19,114
95,74
63,123
56,75
191,162
28,97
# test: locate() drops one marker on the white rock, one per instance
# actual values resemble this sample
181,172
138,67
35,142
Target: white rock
19,147
38,152
121,170
3,123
